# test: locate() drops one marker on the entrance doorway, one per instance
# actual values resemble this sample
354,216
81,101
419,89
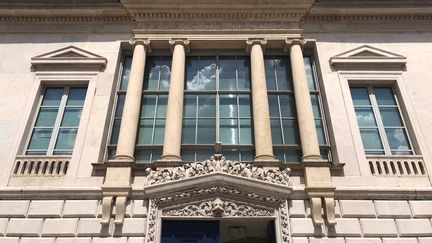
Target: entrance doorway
222,231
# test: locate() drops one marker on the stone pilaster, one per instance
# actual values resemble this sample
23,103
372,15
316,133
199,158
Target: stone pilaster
261,114
173,127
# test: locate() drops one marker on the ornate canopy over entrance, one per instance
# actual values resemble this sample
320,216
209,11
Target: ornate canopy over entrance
217,189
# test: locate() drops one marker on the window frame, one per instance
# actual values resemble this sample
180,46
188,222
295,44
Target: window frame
110,148
217,93
379,122
59,118
308,53
226,147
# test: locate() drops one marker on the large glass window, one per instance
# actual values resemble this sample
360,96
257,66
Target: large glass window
217,108
151,125
57,121
283,116
382,127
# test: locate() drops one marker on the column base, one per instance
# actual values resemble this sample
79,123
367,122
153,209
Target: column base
168,161
121,157
170,157
265,157
307,158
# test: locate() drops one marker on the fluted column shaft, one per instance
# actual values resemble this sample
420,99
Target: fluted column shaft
306,121
173,127
132,105
261,115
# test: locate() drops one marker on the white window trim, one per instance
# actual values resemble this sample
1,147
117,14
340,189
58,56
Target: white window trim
394,79
58,120
58,79
379,121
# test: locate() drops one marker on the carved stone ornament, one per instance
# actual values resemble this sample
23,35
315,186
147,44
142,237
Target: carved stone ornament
284,222
217,164
151,222
218,208
218,190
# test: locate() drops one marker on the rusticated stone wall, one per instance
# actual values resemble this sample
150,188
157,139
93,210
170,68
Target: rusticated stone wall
365,221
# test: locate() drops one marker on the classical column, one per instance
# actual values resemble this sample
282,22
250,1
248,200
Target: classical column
261,115
173,127
118,176
132,105
306,121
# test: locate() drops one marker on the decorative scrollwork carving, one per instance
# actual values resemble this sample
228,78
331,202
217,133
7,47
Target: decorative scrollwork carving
218,163
284,222
219,190
218,208
151,222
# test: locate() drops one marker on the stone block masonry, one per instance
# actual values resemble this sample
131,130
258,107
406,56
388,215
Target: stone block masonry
366,221
77,221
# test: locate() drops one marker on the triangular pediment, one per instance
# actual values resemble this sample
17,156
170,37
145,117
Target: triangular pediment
218,178
365,57
68,52
69,57
367,53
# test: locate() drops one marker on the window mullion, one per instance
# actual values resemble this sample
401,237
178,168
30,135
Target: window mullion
56,127
238,118
380,124
217,100
275,73
159,73
196,118
154,118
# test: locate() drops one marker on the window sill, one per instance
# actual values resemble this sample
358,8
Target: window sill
41,165
396,165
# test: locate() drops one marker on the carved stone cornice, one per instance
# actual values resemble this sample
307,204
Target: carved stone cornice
218,208
218,164
216,11
66,19
367,18
230,15
222,191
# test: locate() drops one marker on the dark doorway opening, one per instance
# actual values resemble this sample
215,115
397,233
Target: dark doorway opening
221,231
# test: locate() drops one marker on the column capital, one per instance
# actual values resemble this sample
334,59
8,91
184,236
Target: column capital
255,41
179,41
140,41
291,42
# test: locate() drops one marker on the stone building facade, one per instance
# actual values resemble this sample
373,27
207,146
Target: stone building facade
215,121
